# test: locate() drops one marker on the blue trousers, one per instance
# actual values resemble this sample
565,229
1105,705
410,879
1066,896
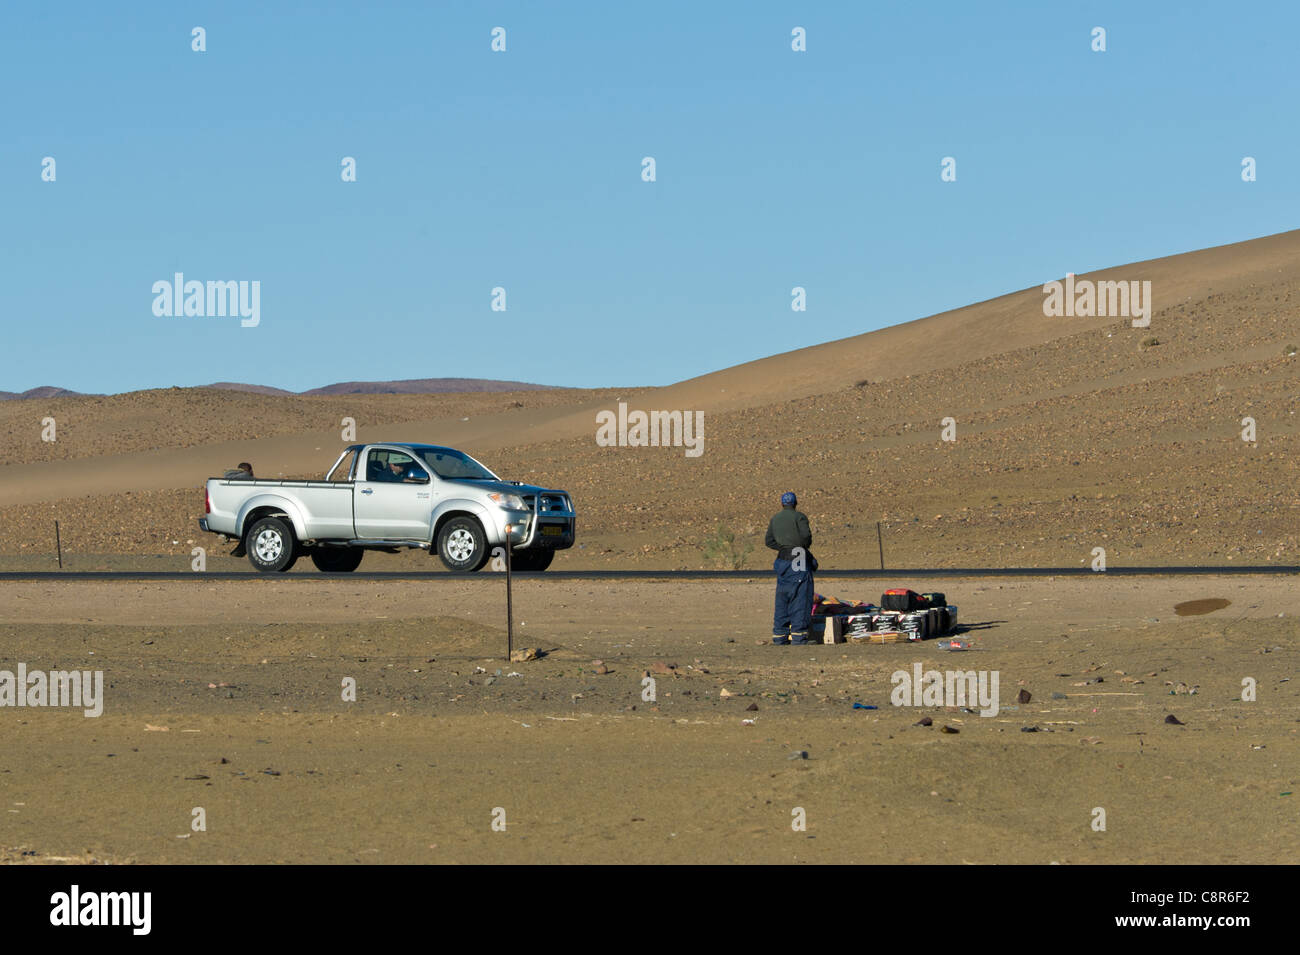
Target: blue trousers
794,599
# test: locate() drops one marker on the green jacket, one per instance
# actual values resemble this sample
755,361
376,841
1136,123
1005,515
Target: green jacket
789,528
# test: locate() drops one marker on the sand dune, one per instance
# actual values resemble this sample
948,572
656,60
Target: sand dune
1072,433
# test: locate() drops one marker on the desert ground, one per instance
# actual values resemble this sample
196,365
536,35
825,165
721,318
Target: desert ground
226,696
1176,444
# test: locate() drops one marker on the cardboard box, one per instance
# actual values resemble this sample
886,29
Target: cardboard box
834,632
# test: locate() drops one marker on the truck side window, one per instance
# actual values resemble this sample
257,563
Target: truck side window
377,466
392,467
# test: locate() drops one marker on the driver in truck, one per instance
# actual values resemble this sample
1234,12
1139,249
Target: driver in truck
405,471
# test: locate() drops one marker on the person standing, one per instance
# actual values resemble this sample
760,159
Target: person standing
789,535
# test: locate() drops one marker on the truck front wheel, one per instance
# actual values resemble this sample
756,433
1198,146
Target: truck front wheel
271,545
462,545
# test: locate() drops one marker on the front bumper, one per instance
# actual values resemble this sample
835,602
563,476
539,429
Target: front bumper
546,525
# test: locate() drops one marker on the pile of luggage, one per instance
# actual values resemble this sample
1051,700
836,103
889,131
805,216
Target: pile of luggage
903,615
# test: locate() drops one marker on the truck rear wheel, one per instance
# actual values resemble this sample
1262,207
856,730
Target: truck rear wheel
337,560
462,545
271,545
532,561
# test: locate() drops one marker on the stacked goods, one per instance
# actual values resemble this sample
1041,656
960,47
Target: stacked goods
880,636
920,616
903,615
916,625
857,623
938,619
834,607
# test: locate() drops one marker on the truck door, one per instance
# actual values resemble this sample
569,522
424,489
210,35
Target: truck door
393,496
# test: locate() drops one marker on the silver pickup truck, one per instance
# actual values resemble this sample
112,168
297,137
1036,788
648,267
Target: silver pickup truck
386,497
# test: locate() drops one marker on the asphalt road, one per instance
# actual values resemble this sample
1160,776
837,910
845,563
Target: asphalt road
872,573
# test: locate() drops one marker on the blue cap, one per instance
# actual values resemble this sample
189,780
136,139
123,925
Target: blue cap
788,499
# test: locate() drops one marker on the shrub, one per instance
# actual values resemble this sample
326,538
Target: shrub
721,548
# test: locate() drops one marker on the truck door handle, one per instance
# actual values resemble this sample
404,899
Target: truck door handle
367,490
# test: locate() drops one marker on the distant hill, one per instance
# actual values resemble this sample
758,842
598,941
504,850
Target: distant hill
44,391
424,386
255,389
412,386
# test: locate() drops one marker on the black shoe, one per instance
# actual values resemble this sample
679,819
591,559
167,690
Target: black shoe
781,641
800,639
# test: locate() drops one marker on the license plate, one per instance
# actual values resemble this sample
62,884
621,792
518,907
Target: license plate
552,530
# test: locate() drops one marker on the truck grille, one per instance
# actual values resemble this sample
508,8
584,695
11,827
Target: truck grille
550,503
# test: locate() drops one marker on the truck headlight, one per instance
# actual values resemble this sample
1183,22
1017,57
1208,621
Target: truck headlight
508,502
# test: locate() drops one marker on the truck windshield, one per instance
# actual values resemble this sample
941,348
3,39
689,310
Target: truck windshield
452,464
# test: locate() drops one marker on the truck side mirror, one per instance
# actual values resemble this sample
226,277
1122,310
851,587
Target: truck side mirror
417,476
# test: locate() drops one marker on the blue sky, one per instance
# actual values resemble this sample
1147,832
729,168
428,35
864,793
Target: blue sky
522,170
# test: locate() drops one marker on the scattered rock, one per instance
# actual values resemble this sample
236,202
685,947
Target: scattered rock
752,708
798,754
662,668
949,729
924,721
1024,696
1174,721
525,655
1059,696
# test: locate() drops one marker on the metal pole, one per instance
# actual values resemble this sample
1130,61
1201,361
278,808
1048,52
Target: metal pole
510,610
58,544
880,542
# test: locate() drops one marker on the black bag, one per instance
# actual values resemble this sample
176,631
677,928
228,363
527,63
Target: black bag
902,599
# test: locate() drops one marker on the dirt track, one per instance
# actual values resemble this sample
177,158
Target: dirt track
588,771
